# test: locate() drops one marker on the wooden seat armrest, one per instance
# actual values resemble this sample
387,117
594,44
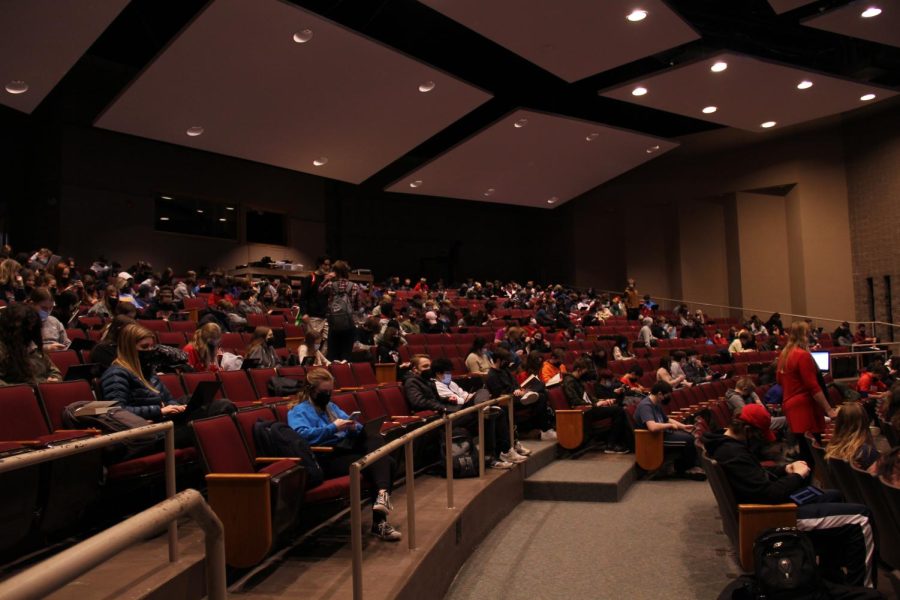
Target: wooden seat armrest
753,519
570,411
84,431
408,417
224,478
275,459
36,443
354,388
322,449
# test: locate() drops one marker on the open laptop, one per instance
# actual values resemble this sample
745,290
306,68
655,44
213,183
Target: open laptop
370,428
86,371
203,394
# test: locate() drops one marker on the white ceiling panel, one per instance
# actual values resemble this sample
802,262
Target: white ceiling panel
783,6
40,40
883,28
532,159
572,39
273,83
748,93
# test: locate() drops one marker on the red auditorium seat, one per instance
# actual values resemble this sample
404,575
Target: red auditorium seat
260,379
343,376
24,422
257,320
173,383
363,374
157,325
394,402
236,387
247,418
295,372
171,338
76,334
187,327
233,342
63,359
56,396
191,380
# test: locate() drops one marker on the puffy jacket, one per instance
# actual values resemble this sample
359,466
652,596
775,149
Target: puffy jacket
422,394
123,386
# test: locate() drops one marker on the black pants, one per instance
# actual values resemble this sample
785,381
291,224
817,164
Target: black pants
536,416
378,475
844,538
619,434
681,442
184,437
496,427
632,314
340,344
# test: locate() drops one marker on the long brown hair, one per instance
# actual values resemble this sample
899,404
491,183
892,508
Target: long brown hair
201,339
127,351
851,431
259,338
797,338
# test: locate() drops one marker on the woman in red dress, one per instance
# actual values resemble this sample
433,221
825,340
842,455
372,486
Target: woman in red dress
804,404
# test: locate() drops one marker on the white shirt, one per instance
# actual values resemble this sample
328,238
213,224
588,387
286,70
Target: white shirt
451,392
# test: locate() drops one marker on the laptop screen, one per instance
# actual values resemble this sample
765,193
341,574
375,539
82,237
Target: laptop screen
823,360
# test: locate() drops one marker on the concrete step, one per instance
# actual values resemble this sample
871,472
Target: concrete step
593,477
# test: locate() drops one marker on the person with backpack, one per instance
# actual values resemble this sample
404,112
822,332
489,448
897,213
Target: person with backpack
321,422
342,303
841,533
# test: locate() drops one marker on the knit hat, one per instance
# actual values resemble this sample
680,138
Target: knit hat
758,416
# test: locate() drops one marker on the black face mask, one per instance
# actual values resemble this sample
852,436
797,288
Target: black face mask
270,342
589,376
321,399
426,374
112,302
147,359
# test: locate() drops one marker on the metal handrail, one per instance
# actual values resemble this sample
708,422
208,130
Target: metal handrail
53,573
27,459
406,441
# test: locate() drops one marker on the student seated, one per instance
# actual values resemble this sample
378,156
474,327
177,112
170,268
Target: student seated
553,366
743,393
203,351
309,351
740,344
620,440
321,422
53,332
262,349
663,373
695,371
851,440
840,532
107,349
677,437
478,361
22,357
132,381
645,335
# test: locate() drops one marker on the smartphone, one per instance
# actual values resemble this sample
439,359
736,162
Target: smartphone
354,414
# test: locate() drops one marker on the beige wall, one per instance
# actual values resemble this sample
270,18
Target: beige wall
702,251
763,253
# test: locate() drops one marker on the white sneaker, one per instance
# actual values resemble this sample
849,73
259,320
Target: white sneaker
521,450
502,465
386,532
383,503
548,436
512,456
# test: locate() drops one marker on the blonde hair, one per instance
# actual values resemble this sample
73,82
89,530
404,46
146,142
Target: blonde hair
851,432
127,351
797,338
745,383
8,270
201,339
314,378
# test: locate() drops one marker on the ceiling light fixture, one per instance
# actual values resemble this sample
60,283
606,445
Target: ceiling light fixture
719,66
867,97
16,86
804,85
636,15
194,131
639,91
552,200
652,149
489,191
222,219
229,208
709,110
591,137
164,218
416,183
767,124
520,123
303,36
322,160
200,210
872,11
166,197
426,87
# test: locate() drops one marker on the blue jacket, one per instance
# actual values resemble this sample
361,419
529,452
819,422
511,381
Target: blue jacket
123,386
315,426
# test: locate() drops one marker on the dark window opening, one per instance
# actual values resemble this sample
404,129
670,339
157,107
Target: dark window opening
266,228
193,216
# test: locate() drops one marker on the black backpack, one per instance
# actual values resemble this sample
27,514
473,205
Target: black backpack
340,312
112,421
284,386
273,438
465,454
785,565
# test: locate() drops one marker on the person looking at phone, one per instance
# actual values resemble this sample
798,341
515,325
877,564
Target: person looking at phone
840,532
677,437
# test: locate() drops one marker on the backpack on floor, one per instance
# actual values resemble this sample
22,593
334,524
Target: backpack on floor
284,386
785,568
273,438
114,420
465,454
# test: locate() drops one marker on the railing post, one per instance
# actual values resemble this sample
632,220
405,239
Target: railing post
410,496
481,450
170,489
511,407
448,457
356,531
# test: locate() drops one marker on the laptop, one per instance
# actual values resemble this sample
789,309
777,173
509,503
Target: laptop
82,344
372,428
203,394
86,371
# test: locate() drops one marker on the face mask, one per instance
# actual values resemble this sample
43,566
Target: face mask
270,342
43,314
146,358
447,378
426,374
321,399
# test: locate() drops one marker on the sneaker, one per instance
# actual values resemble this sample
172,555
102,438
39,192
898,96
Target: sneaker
502,464
386,532
695,474
383,503
512,456
617,449
548,436
521,450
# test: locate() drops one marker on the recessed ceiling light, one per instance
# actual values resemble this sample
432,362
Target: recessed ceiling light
767,124
322,160
16,86
591,137
520,123
652,149
489,191
719,66
552,200
710,110
303,36
222,219
426,87
639,91
166,197
805,84
872,11
164,218
194,131
867,97
200,210
415,184
637,15
229,208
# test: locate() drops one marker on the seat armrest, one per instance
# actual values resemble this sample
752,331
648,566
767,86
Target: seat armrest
322,449
84,431
36,443
413,417
753,519
274,459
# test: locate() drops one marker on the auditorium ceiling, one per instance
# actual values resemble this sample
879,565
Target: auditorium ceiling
387,93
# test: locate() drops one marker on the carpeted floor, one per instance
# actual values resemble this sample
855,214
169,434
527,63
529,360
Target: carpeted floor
664,540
